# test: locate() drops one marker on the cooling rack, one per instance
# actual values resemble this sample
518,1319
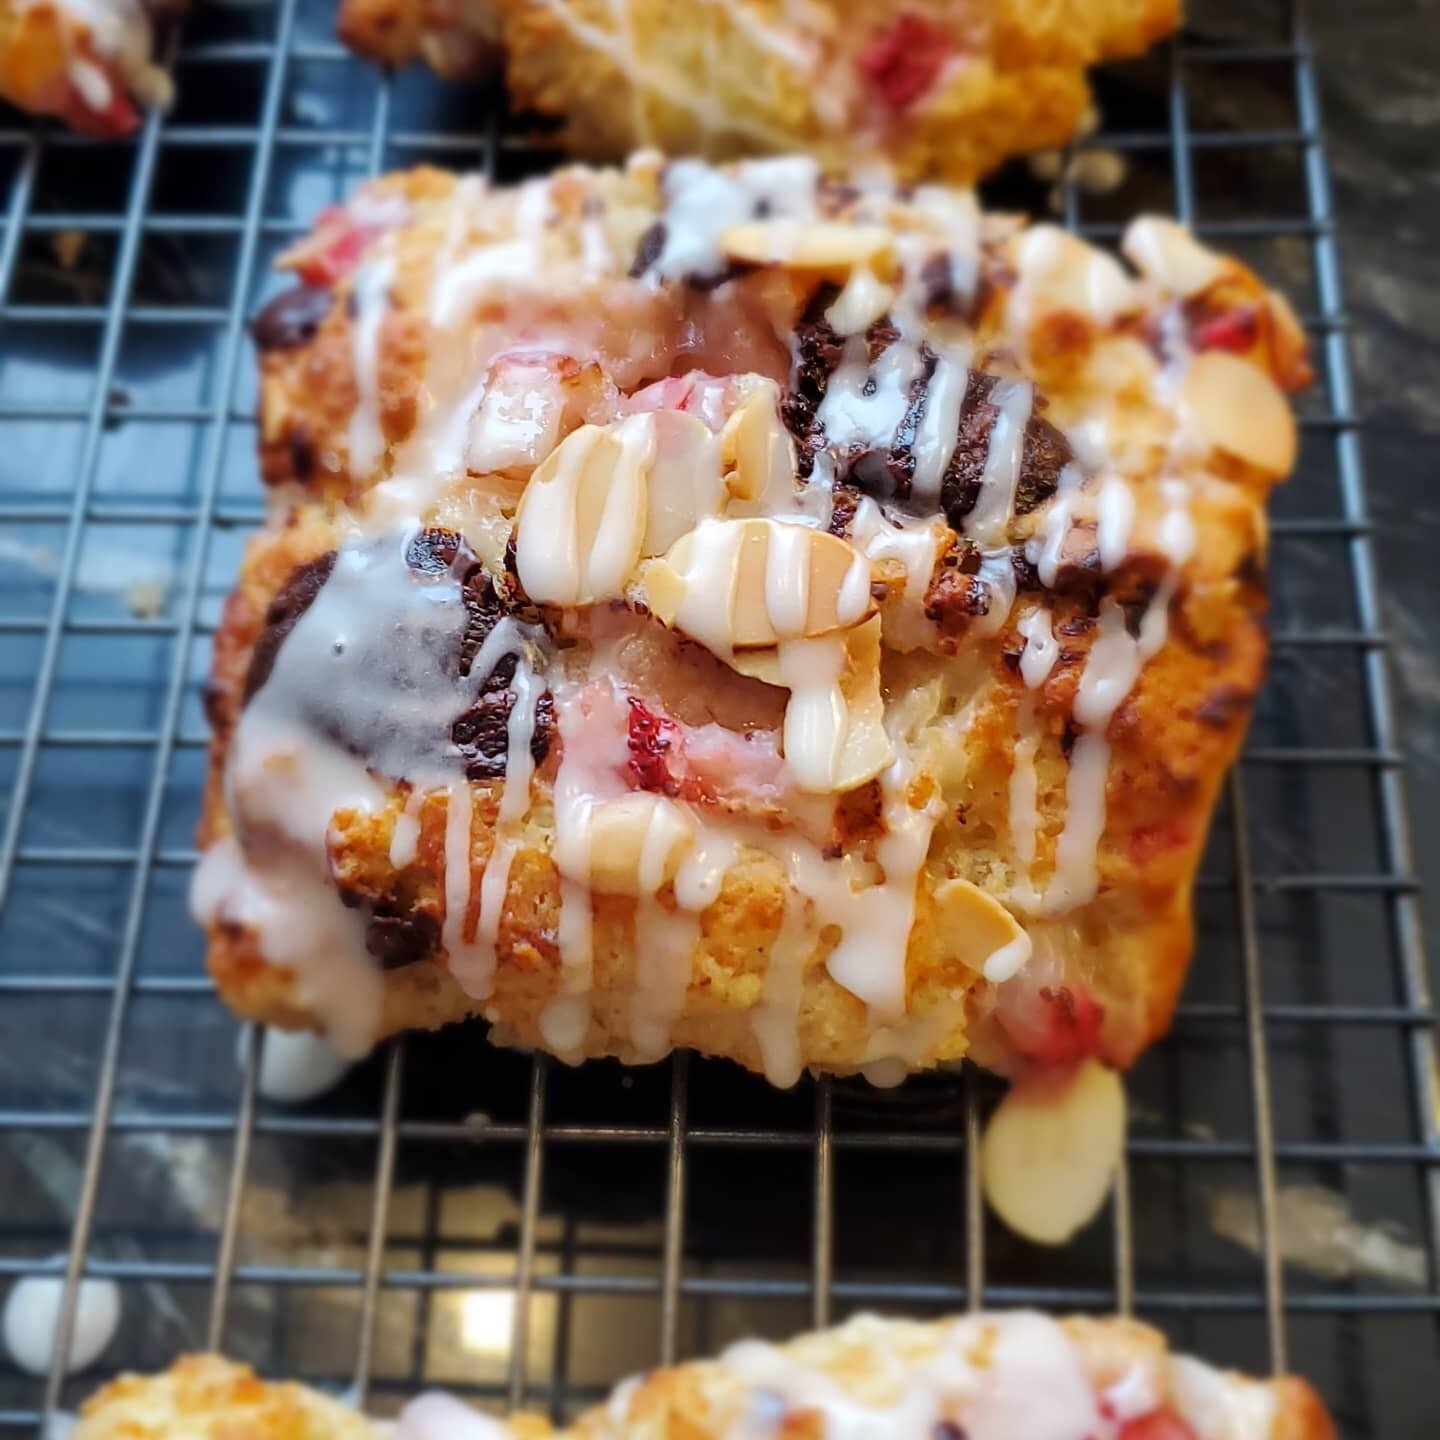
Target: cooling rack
521,1232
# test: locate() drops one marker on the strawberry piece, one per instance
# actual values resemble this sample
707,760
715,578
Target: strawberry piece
1059,1028
1235,330
1158,1425
648,738
117,119
902,62
335,248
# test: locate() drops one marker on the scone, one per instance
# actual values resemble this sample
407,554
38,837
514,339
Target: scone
939,88
802,620
1012,1376
89,62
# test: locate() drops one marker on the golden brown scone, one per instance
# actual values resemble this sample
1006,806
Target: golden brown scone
90,62
939,88
841,606
1013,1376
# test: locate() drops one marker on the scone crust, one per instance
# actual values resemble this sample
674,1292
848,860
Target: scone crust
1168,742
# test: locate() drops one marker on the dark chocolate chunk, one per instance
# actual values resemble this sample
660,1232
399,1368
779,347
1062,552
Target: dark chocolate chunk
291,319
283,614
400,940
652,242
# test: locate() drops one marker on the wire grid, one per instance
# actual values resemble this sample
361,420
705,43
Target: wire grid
586,1223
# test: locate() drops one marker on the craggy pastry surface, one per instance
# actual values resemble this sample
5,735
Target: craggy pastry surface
938,88
1135,523
1018,1376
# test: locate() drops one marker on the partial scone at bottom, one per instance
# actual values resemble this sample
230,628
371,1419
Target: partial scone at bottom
1013,1376
89,62
800,619
937,88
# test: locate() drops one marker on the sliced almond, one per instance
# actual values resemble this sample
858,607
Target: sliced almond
582,517
863,301
684,484
756,451
754,582
1235,407
830,249
982,933
1050,1151
1059,272
1167,253
629,846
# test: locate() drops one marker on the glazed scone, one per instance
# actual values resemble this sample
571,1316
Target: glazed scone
802,621
1012,1376
89,62
941,88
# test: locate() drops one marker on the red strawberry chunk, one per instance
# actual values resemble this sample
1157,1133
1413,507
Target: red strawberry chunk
1060,1026
1236,330
648,738
902,62
1158,1425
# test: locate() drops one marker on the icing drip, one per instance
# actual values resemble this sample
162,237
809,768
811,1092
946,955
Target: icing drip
701,201
938,430
989,521
1111,670
775,1021
371,292
991,1378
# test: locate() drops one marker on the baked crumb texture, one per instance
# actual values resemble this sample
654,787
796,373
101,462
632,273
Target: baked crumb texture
800,620
943,89
89,62
1015,1376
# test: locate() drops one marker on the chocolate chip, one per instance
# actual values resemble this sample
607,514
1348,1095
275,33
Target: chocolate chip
652,242
1045,454
291,319
400,940
817,352
544,731
283,615
843,506
960,487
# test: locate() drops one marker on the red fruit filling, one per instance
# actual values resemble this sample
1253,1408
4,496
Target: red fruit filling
336,247
902,62
1061,1027
1158,1425
649,738
1237,330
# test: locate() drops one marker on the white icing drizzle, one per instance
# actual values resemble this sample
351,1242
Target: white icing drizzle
371,292
939,427
775,1021
1029,1383
989,521
864,404
406,836
701,201
1046,547
1041,650
1111,670
1115,514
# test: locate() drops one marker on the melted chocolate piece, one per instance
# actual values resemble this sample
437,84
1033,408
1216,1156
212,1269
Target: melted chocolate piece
817,352
652,242
1044,454
400,940
283,614
291,319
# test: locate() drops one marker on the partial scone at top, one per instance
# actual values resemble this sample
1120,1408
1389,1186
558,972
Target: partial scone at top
1013,1376
944,89
89,62
802,620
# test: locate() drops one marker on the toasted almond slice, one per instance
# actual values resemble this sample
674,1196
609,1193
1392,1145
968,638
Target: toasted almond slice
830,249
1051,1149
629,846
684,484
1237,408
756,451
863,301
1167,253
982,932
582,517
754,582
1060,272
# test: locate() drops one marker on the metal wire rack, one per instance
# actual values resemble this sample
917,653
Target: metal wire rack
501,1225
